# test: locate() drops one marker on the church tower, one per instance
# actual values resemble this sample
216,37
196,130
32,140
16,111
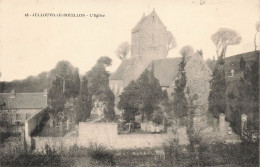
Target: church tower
149,38
149,42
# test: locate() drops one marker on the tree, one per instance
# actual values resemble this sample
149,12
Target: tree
217,96
98,86
129,101
70,112
242,64
83,104
180,102
223,38
150,93
70,78
257,30
122,50
247,98
158,116
200,52
171,42
187,50
56,97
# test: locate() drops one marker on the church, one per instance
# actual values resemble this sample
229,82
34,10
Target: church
149,49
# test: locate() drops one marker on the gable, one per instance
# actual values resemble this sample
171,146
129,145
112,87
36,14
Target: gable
147,19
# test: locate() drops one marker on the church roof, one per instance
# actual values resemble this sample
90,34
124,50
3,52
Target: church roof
121,70
166,70
24,100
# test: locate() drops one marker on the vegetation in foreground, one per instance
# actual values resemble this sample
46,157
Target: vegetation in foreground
13,153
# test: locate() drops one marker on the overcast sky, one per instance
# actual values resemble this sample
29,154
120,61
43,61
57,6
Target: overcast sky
30,45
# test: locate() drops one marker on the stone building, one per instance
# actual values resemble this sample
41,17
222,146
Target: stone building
149,42
23,105
149,50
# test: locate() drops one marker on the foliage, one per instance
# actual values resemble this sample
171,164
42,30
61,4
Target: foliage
14,154
56,96
110,105
180,103
242,64
158,116
123,50
44,80
70,78
129,101
150,93
83,104
247,97
100,153
6,120
200,52
69,112
98,87
211,154
187,50
223,38
217,102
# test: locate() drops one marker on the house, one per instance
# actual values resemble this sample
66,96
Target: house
149,50
22,105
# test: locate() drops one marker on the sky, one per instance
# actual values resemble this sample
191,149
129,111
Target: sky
31,45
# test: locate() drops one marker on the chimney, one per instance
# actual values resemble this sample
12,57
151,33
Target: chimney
13,94
45,92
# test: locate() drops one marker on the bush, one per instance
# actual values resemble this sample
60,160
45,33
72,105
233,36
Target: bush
242,154
14,153
101,154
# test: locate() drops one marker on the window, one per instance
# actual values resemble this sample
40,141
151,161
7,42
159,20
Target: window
18,117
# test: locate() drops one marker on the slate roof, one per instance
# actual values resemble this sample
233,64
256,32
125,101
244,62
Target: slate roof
121,70
24,100
165,70
233,62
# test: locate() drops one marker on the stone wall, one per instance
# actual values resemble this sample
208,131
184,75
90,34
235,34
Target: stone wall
31,124
105,134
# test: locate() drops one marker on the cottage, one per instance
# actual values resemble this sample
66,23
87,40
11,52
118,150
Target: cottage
23,105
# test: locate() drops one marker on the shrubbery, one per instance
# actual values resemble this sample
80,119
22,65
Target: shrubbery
15,154
242,154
